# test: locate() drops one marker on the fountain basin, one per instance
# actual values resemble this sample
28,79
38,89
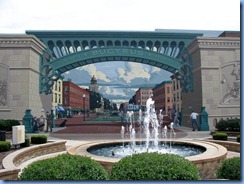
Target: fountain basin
207,161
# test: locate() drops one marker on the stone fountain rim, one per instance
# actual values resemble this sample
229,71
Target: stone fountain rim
213,151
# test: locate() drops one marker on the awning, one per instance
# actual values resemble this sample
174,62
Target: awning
60,108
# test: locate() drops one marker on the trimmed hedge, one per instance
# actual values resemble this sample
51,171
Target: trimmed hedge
228,125
8,123
26,143
220,136
38,139
4,146
154,166
230,169
65,167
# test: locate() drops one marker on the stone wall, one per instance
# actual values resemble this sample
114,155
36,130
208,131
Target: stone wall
19,57
13,160
216,72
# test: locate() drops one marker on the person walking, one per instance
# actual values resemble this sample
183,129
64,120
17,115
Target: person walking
176,120
41,124
49,123
193,118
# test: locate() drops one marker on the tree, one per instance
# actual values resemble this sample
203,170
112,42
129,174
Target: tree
107,104
95,100
115,107
133,100
121,107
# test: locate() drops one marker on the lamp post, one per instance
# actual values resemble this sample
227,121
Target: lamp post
84,96
52,116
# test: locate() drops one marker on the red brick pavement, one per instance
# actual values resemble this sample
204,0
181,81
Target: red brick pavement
77,126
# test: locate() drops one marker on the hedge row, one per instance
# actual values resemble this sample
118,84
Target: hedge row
65,167
220,136
228,125
5,146
146,166
223,136
35,139
8,123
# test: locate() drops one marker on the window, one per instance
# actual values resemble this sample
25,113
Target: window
59,86
168,99
168,90
66,89
55,84
55,98
66,100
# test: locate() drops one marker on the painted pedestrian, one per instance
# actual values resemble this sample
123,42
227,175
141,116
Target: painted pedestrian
49,123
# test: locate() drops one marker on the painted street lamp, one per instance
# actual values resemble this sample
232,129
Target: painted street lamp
84,96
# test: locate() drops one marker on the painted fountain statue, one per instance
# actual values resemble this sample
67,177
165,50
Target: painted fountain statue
152,136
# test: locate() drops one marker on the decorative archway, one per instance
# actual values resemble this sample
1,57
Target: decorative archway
67,50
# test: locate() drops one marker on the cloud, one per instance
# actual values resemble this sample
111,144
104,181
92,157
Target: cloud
92,70
133,71
109,90
155,69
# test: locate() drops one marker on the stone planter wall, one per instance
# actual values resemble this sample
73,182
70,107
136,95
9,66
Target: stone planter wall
13,160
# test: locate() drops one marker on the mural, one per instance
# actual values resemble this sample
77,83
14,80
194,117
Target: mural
231,84
118,81
3,85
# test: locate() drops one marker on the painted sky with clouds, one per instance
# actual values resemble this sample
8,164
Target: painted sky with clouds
119,80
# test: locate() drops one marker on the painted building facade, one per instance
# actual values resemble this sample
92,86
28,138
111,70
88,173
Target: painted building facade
216,71
163,96
176,90
57,96
19,77
142,94
216,76
74,96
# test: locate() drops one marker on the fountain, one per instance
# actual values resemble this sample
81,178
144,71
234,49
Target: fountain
203,154
150,126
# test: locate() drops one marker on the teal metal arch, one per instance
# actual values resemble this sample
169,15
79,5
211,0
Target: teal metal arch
67,50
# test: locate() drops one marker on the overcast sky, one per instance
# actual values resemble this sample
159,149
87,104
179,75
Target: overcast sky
16,16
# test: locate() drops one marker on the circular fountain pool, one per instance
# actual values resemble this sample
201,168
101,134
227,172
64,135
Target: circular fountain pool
212,155
119,150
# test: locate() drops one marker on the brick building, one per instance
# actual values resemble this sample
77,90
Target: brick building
177,96
163,96
142,94
73,96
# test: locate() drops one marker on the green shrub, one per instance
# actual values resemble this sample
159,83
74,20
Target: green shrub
4,146
8,123
238,138
154,166
3,125
65,167
26,143
38,139
228,125
230,169
234,125
220,136
222,125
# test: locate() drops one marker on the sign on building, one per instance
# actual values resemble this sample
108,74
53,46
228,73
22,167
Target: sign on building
132,107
